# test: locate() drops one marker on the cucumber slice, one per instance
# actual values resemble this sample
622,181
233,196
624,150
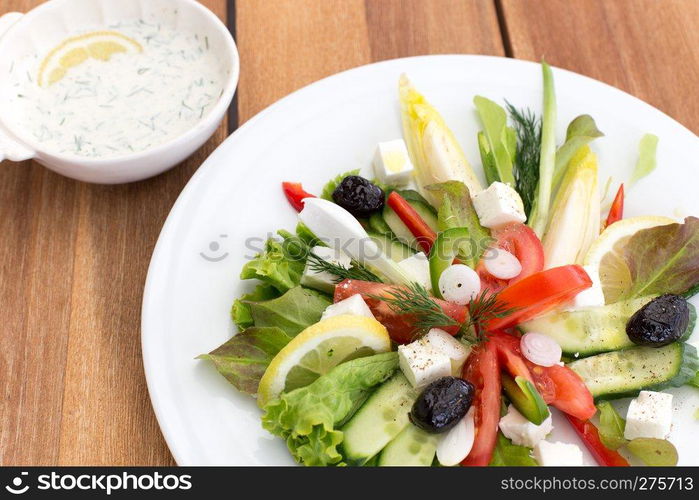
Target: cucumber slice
625,373
421,206
394,249
413,447
589,331
378,225
382,418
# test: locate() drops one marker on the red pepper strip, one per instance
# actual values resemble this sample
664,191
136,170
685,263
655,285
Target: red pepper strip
295,194
483,371
616,212
416,225
590,436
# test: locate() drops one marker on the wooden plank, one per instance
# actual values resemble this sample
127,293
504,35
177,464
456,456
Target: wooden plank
73,264
286,44
645,47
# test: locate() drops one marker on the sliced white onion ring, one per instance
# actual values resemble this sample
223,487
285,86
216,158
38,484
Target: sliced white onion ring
540,349
456,444
502,264
459,283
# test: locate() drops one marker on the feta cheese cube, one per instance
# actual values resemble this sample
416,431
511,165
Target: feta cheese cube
417,267
521,431
649,416
324,281
499,205
591,297
441,341
422,364
558,454
353,305
392,164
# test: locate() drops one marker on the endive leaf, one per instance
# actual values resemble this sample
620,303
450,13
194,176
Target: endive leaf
433,149
575,213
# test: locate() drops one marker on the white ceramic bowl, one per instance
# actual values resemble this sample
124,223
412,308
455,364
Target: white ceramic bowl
41,29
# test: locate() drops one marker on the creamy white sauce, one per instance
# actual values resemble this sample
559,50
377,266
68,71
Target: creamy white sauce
130,103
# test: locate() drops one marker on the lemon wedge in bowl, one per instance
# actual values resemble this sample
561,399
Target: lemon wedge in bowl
605,256
100,45
318,349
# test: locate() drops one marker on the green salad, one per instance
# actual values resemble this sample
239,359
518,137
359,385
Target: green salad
417,316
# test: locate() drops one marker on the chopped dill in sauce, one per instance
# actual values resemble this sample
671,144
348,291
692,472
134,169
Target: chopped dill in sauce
131,102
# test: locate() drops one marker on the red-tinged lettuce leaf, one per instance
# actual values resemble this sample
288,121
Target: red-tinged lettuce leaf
245,357
663,259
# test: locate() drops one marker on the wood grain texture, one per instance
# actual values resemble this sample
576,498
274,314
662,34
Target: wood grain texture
645,47
286,44
73,262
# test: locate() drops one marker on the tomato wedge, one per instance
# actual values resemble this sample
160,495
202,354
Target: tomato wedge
589,435
295,194
423,233
522,242
616,212
509,355
401,327
571,394
483,372
559,386
539,293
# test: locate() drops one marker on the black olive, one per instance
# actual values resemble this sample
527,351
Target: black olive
660,322
442,404
359,196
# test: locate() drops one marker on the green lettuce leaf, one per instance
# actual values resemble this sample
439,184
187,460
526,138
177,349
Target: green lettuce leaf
310,239
581,131
292,312
507,454
244,358
694,382
611,426
241,313
327,193
654,452
646,157
280,264
456,210
662,259
306,418
497,142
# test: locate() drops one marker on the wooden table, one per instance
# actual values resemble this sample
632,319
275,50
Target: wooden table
74,256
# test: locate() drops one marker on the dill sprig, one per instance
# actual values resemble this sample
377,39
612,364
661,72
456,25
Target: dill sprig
356,271
415,299
526,166
483,309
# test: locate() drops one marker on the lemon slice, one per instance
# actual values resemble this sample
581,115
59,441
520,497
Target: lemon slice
318,349
72,52
605,256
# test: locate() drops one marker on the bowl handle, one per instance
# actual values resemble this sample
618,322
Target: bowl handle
10,149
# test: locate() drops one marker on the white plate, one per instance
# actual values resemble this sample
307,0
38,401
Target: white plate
310,136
